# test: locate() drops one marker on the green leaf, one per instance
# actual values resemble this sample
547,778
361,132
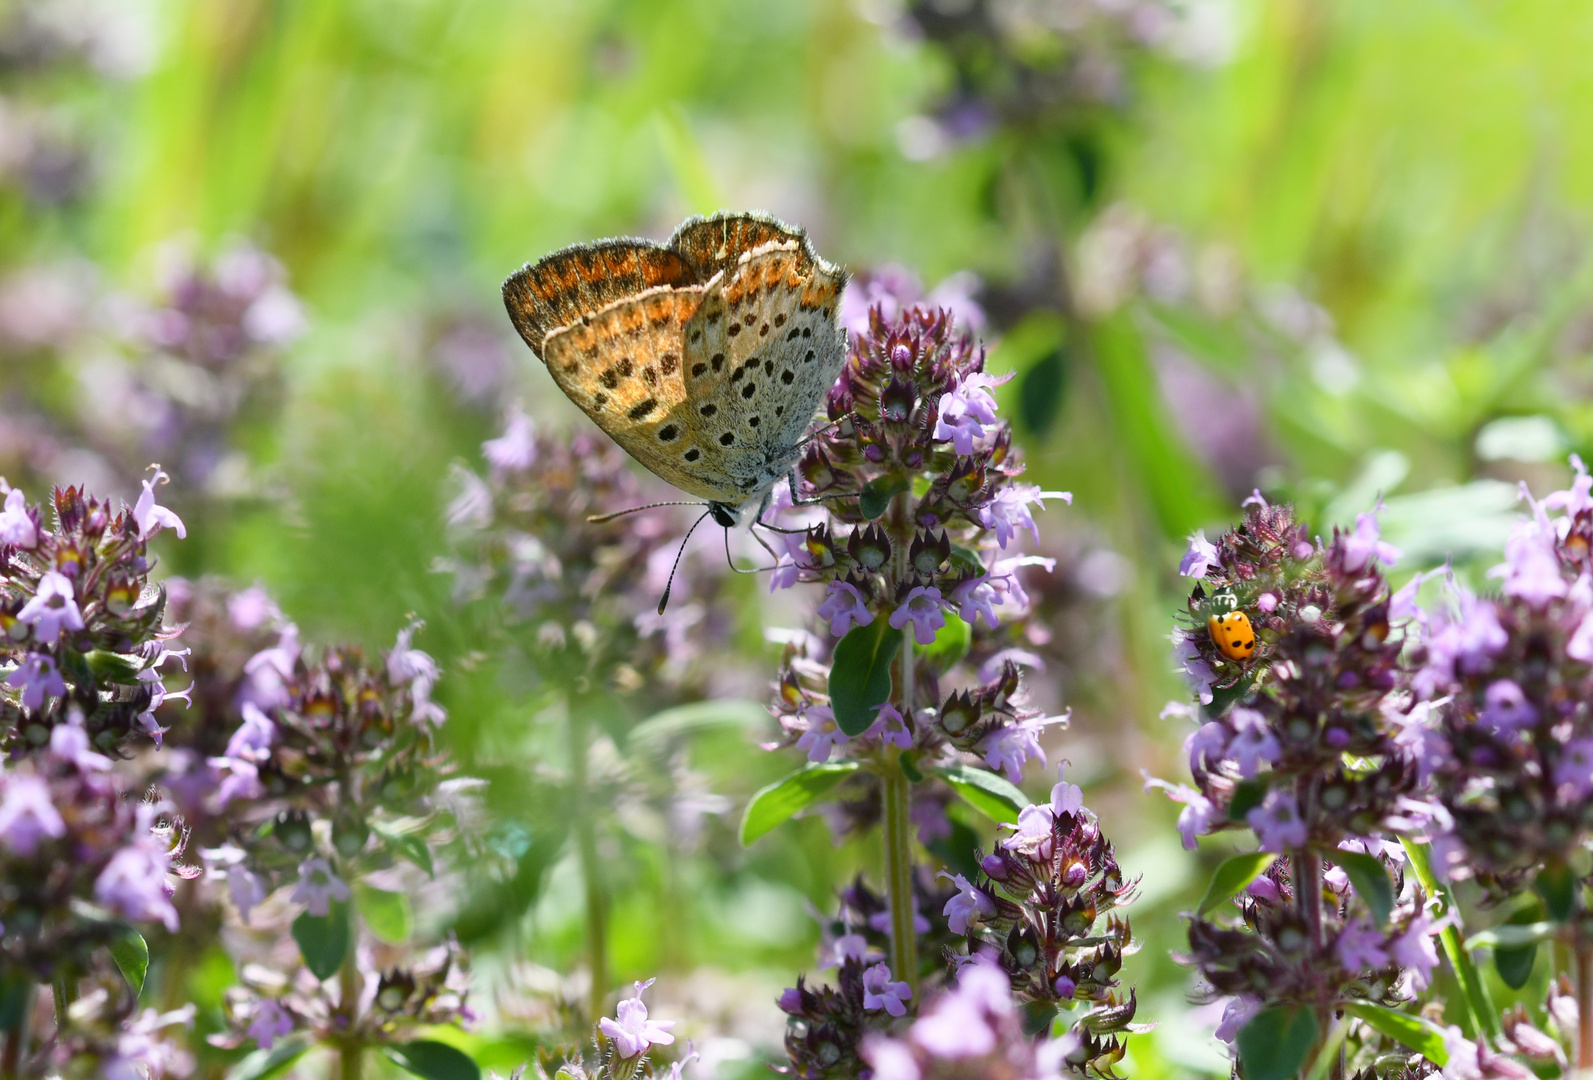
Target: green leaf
1247,795
1273,1045
1513,935
781,800
16,991
1483,1015
1370,879
409,845
989,793
1037,1017
131,954
1224,698
262,1064
113,667
909,764
657,732
877,494
323,940
1041,392
1557,885
1420,1035
434,1060
860,674
1231,877
950,645
1514,965
959,851
388,914
504,902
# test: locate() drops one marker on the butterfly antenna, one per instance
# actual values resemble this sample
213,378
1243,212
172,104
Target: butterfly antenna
670,584
598,519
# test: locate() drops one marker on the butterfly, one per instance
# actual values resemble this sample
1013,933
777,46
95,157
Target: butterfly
705,358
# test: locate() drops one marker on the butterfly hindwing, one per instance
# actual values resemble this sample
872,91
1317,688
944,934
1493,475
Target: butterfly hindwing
585,279
622,366
717,243
762,351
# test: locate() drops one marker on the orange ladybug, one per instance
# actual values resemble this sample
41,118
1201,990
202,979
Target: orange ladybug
1233,635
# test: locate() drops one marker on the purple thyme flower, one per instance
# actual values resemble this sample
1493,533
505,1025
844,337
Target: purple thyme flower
1198,815
1506,708
1009,511
318,886
247,889
1365,545
1531,570
1277,822
151,517
252,741
271,1022
1254,744
976,598
890,1059
37,678
822,733
879,992
966,905
16,527
633,1034
1415,951
1360,945
1575,768
1201,556
53,606
70,742
958,1025
1196,671
966,408
844,606
1008,748
133,884
923,608
419,670
27,814
516,449
890,728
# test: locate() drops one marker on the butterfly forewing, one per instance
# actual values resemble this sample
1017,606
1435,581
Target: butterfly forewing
768,352
717,243
704,359
622,366
585,279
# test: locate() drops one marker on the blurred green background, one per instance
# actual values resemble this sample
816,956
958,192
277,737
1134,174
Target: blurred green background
1333,249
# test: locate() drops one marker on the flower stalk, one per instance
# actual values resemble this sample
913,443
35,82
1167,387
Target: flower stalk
351,1054
586,852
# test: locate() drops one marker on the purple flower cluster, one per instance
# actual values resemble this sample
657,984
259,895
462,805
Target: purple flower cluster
1043,911
1281,723
78,859
581,597
1283,951
1501,724
914,418
974,1030
621,1046
341,745
82,625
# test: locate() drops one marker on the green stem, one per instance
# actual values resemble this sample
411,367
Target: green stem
16,1036
351,1053
1584,1002
897,797
1483,1016
591,871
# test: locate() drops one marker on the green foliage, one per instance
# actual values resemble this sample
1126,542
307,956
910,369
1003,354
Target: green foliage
1415,1032
1231,877
323,940
860,675
782,800
1273,1045
1370,880
989,793
434,1060
386,914
131,954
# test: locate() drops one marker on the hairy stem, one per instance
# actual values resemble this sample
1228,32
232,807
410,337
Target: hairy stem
591,872
351,1053
1584,1002
16,1035
897,797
